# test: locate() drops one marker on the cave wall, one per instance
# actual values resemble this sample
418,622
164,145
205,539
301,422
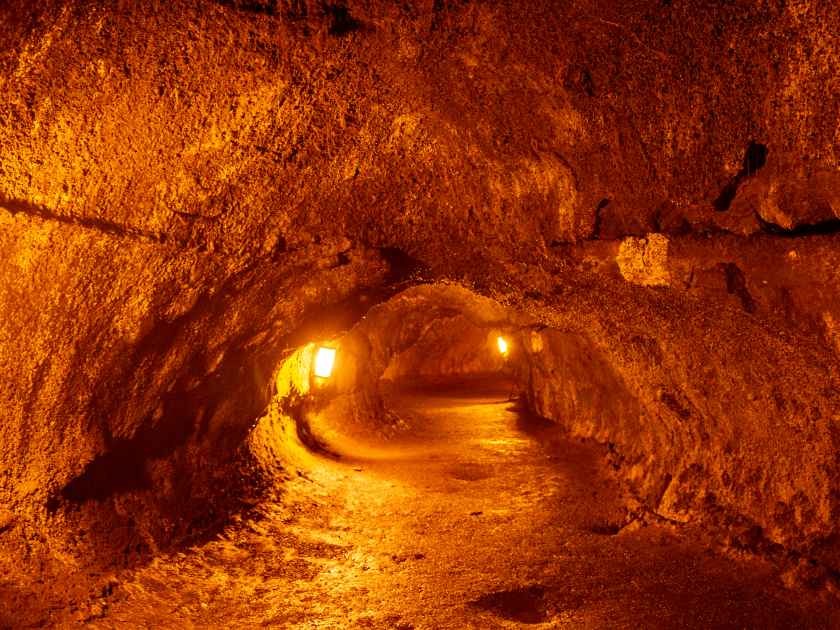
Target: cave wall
129,359
493,125
719,403
183,183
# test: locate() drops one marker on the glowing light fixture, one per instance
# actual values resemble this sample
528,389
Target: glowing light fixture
324,362
503,345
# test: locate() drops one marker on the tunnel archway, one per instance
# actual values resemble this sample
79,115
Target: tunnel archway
467,443
431,332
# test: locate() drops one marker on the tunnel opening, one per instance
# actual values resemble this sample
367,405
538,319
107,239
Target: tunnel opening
436,384
420,403
427,336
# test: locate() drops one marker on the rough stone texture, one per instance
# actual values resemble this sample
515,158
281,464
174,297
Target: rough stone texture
644,260
138,390
718,395
183,184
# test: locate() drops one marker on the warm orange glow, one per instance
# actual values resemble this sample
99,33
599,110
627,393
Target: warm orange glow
324,362
503,344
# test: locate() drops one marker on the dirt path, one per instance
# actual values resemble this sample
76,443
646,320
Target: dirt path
482,519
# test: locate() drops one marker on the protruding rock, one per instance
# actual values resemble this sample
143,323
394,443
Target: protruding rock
644,260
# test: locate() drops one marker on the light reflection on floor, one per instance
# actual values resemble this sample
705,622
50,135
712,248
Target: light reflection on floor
480,520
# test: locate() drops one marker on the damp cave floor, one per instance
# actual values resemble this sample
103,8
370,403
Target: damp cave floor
483,518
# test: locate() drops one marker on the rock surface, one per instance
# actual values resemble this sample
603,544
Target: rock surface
191,190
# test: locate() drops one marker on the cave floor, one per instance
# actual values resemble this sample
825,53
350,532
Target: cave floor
482,518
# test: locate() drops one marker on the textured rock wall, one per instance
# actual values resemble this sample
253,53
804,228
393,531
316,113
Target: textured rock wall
502,125
718,396
123,354
183,183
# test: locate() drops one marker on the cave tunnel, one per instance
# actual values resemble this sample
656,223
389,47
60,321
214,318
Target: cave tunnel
419,315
